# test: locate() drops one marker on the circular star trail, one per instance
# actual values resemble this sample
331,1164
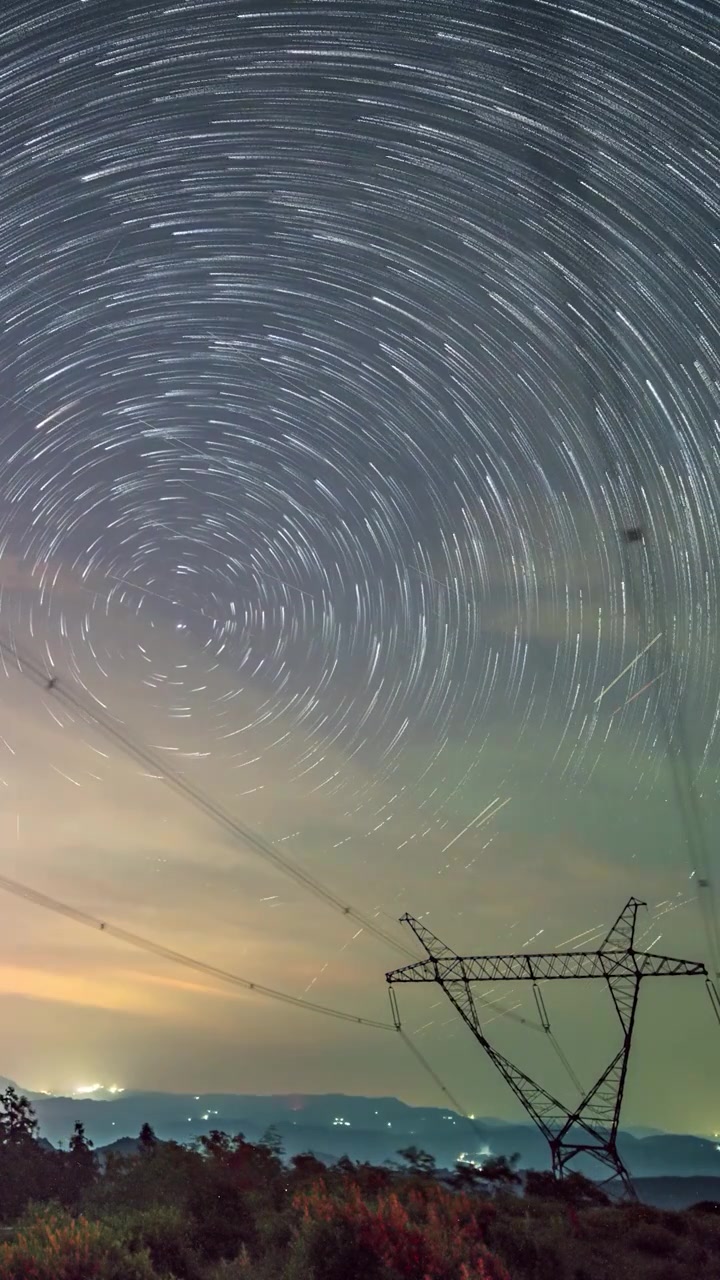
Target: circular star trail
339,342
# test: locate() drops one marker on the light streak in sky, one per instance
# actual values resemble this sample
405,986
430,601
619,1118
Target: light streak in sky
629,667
476,821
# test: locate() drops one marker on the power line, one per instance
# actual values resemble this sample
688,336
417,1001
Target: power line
432,1073
166,775
176,957
425,1065
200,966
28,667
239,831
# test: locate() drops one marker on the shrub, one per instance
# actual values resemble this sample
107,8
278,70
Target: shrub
158,1175
164,1234
432,1235
334,1250
236,1269
524,1251
670,1271
221,1219
653,1239
51,1245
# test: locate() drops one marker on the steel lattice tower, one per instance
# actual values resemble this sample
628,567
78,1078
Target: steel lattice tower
591,1127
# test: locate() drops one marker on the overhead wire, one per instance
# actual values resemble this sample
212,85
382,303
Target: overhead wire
212,809
209,807
432,1073
426,1066
545,1023
48,903
497,1007
50,684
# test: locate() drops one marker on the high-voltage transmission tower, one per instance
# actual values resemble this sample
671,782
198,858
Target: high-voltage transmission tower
590,1127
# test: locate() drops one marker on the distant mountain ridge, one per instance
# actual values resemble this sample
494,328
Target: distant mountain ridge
361,1127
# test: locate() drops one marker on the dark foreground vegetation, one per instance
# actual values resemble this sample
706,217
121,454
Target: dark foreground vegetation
228,1209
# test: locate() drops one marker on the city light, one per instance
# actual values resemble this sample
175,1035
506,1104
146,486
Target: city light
84,1090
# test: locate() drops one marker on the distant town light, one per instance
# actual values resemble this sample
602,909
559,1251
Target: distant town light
83,1089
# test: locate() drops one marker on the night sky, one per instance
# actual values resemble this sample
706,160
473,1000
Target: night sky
338,344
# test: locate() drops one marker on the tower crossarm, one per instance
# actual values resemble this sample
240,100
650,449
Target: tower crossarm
546,965
653,966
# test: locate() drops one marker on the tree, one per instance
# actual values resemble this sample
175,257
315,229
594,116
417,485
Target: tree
368,1177
581,1191
161,1175
80,1145
147,1139
78,1167
335,1250
216,1144
418,1162
574,1189
272,1141
26,1170
541,1184
306,1168
220,1212
501,1171
466,1177
255,1167
18,1124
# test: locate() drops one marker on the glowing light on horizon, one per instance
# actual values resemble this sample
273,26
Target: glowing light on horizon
84,1090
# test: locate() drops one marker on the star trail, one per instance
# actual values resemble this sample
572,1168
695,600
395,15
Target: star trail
340,345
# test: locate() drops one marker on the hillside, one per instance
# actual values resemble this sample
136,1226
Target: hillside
225,1208
364,1128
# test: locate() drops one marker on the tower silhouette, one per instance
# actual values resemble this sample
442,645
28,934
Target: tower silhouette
591,1127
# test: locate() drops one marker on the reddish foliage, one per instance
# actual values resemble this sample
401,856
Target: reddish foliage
428,1235
52,1247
